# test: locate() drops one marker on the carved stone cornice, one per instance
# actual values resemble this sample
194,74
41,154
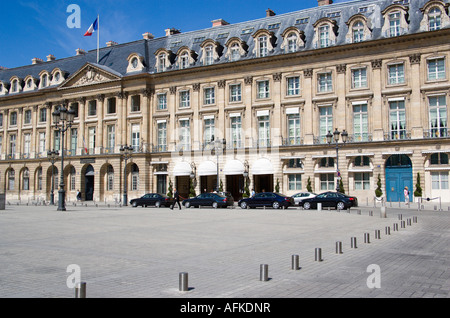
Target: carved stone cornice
377,64
414,58
308,73
248,80
277,77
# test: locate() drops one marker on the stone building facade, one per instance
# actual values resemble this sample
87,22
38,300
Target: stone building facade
252,99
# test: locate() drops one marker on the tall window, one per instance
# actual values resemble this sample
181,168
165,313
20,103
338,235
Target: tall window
438,116
324,36
135,137
136,103
439,180
360,123
111,105
209,96
326,181
43,115
209,55
235,52
236,131
235,93
42,143
293,123
358,32
11,179
91,131
57,140
325,122
394,24
162,136
110,137
263,89
1,119
325,82
362,181
291,42
396,74
134,177
208,130
185,134
293,86
110,178
397,120
295,182
92,108
12,146
13,119
72,178
162,62
434,19
185,99
27,117
359,78
184,60
26,144
162,101
264,131
263,49
73,140
39,179
436,69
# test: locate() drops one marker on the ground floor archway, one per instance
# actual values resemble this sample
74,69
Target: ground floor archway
398,172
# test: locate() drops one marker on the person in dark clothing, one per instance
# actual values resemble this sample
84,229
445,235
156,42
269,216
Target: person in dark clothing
176,197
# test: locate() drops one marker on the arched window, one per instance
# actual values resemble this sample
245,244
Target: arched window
134,177
110,178
434,19
26,179
11,179
39,179
439,159
358,32
292,42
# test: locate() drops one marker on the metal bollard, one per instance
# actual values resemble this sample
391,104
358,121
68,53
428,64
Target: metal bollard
80,290
338,247
408,221
395,227
366,238
264,272
383,212
295,263
415,219
388,230
318,254
400,217
319,206
370,213
377,234
183,282
402,224
353,242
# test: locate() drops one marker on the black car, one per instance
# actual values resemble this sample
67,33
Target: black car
336,200
152,199
215,200
270,199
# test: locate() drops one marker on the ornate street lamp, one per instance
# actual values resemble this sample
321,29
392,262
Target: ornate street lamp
219,144
126,152
334,137
63,120
52,156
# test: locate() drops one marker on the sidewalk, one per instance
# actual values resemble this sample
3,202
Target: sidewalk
126,252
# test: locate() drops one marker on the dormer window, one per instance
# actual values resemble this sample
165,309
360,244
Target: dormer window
236,49
262,49
434,19
163,60
135,63
44,80
358,29
209,58
358,32
14,86
264,43
235,54
186,58
325,33
292,40
434,16
395,23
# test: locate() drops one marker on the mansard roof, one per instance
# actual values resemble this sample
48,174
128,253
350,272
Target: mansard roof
116,57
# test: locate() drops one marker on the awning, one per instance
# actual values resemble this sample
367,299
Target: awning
207,168
262,166
234,167
182,169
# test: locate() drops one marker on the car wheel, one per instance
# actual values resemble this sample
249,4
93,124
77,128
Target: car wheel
276,205
243,205
158,204
187,205
307,205
214,205
340,206
134,204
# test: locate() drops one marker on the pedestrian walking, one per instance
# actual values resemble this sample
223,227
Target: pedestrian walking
406,194
176,197
78,195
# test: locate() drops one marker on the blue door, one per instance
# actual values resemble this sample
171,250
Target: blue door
398,176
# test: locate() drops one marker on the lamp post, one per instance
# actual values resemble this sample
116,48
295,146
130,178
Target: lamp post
218,145
335,137
126,152
52,156
63,120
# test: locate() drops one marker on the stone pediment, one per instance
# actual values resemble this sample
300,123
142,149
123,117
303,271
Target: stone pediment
91,74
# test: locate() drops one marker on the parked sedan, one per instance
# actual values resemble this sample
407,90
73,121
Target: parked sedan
298,197
336,200
214,200
152,199
270,199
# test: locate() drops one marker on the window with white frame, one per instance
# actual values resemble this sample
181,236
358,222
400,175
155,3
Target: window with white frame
42,115
325,83
359,77
184,60
439,180
291,43
235,52
57,140
185,99
11,179
209,55
26,179
185,133
73,140
12,145
161,62
208,130
362,181
13,119
136,137
42,143
134,177
110,178
111,138
91,139
325,122
326,181
72,178
264,130
39,179
438,116
293,126
397,119
360,122
295,182
324,35
26,144
263,89
162,136
358,31
263,46
236,130
394,23
162,101
209,97
235,93
436,69
92,108
293,86
136,103
434,19
396,73
27,117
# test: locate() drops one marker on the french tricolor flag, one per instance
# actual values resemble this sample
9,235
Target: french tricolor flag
92,28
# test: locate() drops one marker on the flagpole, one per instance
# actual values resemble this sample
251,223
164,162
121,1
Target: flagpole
98,39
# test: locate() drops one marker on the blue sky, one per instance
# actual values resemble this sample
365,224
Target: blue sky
38,28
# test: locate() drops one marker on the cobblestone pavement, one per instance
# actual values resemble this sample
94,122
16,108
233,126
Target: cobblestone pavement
125,252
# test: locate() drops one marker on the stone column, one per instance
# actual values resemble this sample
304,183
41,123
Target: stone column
415,109
377,103
48,130
100,130
308,113
82,129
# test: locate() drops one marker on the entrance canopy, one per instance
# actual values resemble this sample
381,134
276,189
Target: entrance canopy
234,167
262,166
207,168
182,169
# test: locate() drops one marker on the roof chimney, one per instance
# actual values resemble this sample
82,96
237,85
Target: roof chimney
51,57
81,52
324,2
270,13
172,31
148,36
219,22
111,43
36,60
